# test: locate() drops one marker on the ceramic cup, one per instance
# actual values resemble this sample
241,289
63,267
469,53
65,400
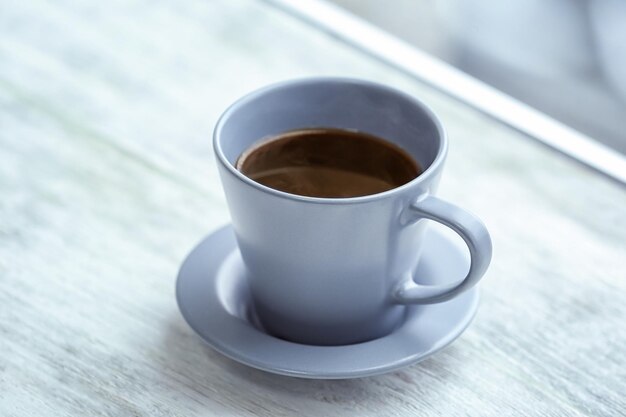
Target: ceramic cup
330,271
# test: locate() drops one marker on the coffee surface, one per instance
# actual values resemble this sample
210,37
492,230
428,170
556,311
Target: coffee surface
329,163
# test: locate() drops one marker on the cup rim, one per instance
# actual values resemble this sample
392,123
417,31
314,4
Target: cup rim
424,176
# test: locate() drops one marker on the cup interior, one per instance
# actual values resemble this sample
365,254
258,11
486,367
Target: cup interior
337,103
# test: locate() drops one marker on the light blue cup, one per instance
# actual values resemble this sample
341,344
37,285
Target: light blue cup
330,271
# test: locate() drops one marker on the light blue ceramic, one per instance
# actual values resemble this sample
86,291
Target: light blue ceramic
339,271
213,295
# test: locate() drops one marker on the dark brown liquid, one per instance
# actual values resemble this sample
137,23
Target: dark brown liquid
329,163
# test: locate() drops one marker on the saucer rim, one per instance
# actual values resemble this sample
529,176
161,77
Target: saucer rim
227,350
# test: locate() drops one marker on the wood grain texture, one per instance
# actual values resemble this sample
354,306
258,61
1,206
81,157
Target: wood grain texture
107,180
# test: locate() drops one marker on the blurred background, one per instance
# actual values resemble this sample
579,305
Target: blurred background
566,58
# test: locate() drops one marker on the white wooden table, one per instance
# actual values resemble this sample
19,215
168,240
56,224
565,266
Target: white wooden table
107,180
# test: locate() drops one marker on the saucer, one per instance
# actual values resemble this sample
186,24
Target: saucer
213,297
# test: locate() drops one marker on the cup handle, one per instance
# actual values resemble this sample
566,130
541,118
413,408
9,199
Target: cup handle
475,235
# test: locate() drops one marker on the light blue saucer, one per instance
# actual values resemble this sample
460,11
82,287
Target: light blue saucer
213,297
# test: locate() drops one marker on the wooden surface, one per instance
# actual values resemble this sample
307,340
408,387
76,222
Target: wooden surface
107,180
